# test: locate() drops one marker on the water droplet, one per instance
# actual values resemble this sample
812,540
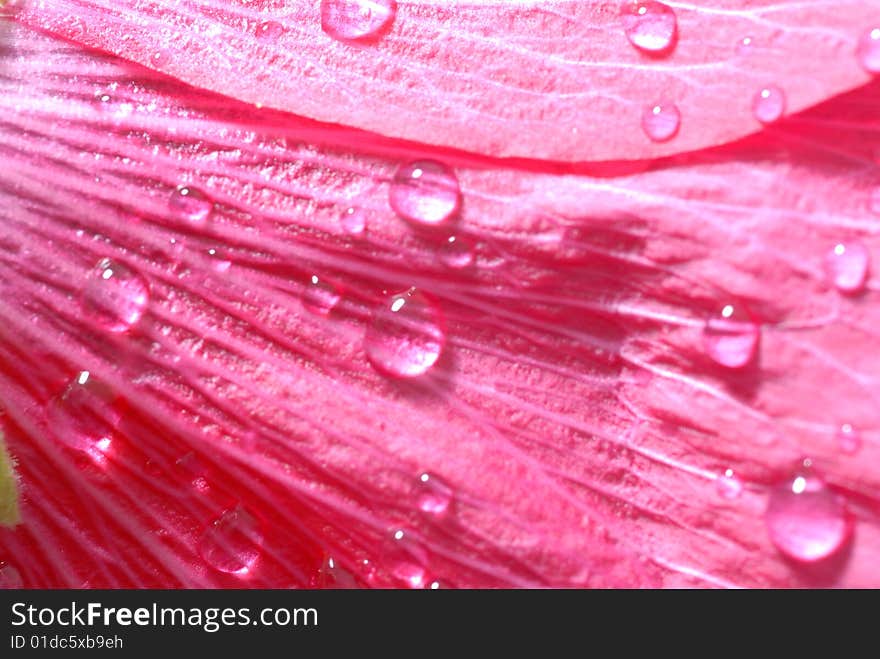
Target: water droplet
84,415
847,266
405,337
406,559
868,50
320,297
661,121
269,31
649,26
232,542
807,521
434,495
350,20
769,104
456,253
10,577
218,263
425,192
728,485
745,46
114,297
731,338
848,439
354,221
191,205
332,576
160,58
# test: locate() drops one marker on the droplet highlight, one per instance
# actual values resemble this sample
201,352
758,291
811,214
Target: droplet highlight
728,485
85,415
232,542
434,495
868,50
731,337
320,297
847,265
190,205
806,520
848,439
650,26
357,20
425,192
768,105
456,253
405,337
114,297
405,558
661,121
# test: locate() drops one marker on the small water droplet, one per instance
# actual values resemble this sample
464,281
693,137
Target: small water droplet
731,338
232,543
745,46
868,50
649,26
405,337
10,577
425,192
332,576
114,297
849,439
456,253
406,559
352,20
847,266
805,519
661,121
160,58
768,104
189,204
728,485
354,221
84,415
269,31
218,263
434,496
320,297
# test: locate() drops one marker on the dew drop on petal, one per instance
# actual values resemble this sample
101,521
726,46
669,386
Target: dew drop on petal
847,266
232,542
649,26
269,31
405,337
661,121
191,205
332,576
768,105
456,253
805,519
848,439
868,50
114,297
320,297
84,415
728,485
731,337
218,263
10,577
352,20
405,558
425,192
434,495
745,46
354,221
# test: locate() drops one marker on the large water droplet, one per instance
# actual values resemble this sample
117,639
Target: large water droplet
269,31
649,26
661,121
768,104
456,253
805,519
332,576
406,559
425,192
434,495
190,205
351,20
85,415
728,485
849,439
320,297
10,577
233,541
868,50
731,338
405,337
847,266
114,297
